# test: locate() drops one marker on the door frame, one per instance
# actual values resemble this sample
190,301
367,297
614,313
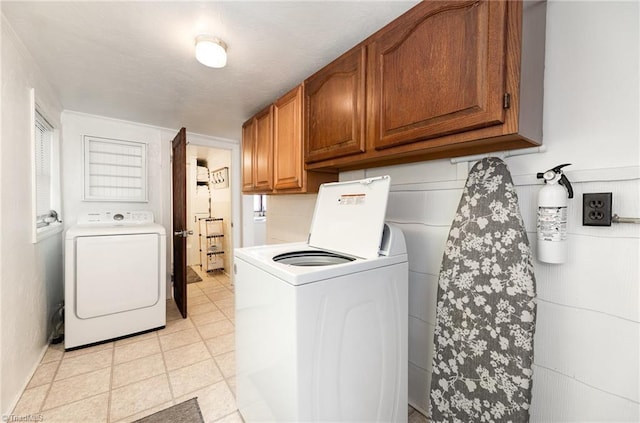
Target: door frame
235,183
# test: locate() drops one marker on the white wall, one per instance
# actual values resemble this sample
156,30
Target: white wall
586,365
77,125
197,206
586,344
289,217
254,230
30,274
248,230
220,201
238,211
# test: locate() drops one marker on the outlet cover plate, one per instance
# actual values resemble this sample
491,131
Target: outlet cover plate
596,209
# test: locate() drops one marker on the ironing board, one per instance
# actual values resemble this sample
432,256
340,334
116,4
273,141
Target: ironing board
486,306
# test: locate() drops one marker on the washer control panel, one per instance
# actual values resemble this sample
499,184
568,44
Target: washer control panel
116,217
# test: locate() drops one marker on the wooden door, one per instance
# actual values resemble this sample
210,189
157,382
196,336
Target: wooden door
179,177
334,104
263,151
287,143
248,147
439,69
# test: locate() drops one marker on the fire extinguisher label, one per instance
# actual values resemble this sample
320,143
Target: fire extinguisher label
552,223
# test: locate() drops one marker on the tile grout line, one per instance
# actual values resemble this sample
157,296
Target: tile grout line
161,353
215,362
46,396
66,404
204,341
225,378
166,372
113,366
201,340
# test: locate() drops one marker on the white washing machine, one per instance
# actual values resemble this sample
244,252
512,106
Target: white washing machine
115,283
321,327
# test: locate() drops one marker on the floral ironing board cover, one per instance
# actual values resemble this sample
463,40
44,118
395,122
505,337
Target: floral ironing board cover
486,306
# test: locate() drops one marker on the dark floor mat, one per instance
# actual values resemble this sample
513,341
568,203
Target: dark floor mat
185,412
192,276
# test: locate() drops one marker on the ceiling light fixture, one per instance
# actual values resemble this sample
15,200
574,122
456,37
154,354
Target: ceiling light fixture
211,51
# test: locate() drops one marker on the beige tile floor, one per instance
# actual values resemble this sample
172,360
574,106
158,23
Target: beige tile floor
131,378
128,379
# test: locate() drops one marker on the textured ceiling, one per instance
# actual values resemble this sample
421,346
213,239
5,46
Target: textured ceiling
135,60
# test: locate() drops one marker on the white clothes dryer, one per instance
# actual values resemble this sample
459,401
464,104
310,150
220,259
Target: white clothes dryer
115,283
321,327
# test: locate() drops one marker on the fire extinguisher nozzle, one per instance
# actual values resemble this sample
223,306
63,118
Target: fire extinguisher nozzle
565,182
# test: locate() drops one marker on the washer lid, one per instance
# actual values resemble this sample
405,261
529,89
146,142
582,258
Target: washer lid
349,216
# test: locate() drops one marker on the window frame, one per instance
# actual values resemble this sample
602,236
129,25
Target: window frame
45,229
259,206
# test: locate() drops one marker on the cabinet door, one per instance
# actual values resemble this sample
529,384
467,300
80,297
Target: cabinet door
248,143
263,151
287,147
335,108
438,70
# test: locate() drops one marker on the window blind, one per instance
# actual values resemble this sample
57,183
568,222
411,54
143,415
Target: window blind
42,153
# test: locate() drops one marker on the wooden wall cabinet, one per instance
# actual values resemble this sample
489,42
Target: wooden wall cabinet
289,168
438,70
445,79
257,152
335,108
274,150
248,147
263,157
